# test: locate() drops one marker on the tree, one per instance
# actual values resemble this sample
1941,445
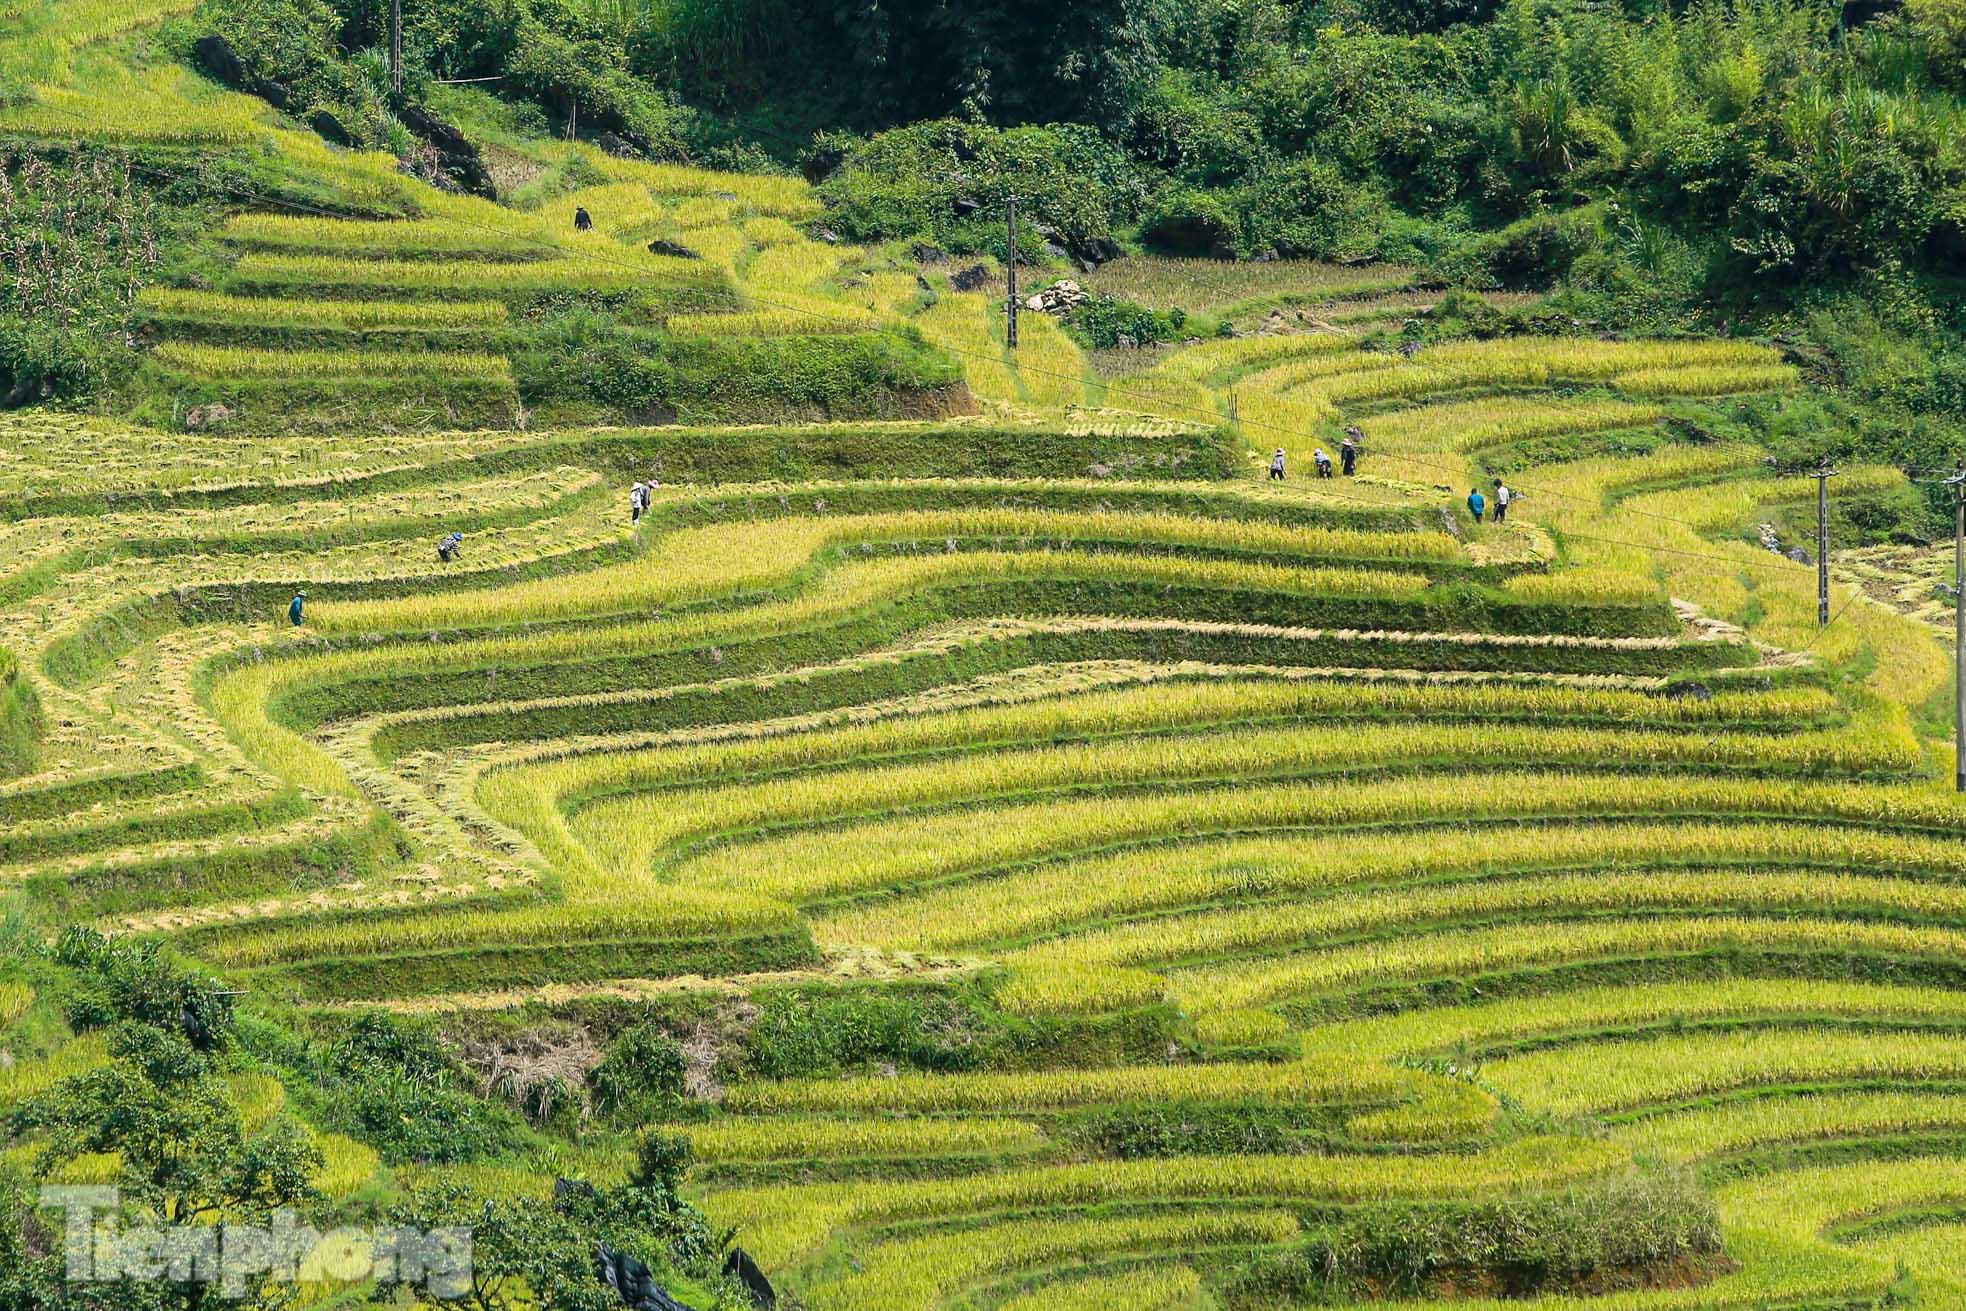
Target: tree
162,1108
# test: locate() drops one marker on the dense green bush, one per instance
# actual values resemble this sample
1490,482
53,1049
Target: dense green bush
643,1069
1104,321
587,82
390,1084
119,981
949,179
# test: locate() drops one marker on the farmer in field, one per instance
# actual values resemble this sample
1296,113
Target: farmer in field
582,221
1323,462
1276,466
1476,503
448,548
294,610
638,499
1503,496
1348,449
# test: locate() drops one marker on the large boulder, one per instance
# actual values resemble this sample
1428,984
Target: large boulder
971,278
223,64
457,154
217,57
633,1282
739,1266
329,128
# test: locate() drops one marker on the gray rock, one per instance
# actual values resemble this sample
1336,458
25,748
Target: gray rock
217,57
329,128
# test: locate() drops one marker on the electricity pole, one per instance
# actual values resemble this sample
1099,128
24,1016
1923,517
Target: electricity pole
396,47
1011,264
1958,484
1822,476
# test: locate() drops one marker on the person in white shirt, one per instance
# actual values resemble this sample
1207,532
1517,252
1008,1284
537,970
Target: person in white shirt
1503,495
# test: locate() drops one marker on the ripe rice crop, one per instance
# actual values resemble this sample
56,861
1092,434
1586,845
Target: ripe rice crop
879,854
1054,896
234,363
396,239
1518,946
1241,1028
787,1222
1142,1290
1467,426
1737,1126
26,1078
1612,1076
1183,702
175,305
919,1272
1147,393
15,998
967,325
792,316
772,231
259,1098
795,1139
672,277
1706,379
794,266
1442,1029
678,913
615,208
345,1164
1208,284
921,1094
700,563
1245,928
1212,361
784,197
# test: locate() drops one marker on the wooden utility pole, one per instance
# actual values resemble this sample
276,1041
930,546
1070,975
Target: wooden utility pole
1010,264
1822,476
396,47
1958,484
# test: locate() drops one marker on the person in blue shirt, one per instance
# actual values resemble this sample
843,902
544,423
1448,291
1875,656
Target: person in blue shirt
299,604
448,548
1476,503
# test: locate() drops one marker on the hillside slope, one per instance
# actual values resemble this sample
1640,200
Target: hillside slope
1029,856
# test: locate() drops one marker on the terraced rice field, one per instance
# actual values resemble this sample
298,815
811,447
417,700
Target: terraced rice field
1479,861
1460,845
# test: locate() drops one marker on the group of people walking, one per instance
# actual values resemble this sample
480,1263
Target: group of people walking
1347,456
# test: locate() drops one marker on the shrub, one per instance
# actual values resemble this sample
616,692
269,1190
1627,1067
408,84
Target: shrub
588,84
1105,321
948,179
643,1068
1537,251
1531,1243
135,981
392,1086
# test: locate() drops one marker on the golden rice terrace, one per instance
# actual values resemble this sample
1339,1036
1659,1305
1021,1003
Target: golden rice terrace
1241,862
